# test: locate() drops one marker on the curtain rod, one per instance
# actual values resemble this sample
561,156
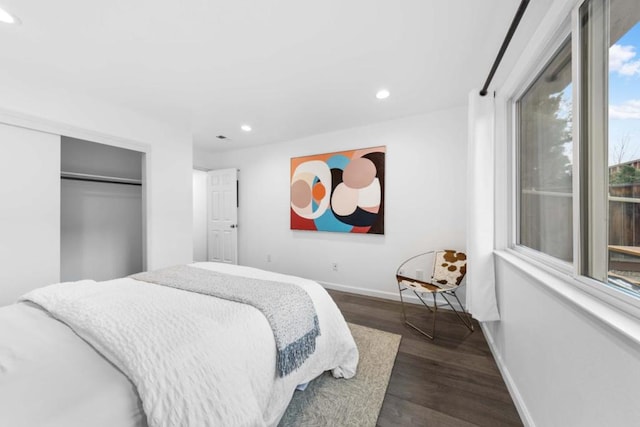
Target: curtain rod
505,44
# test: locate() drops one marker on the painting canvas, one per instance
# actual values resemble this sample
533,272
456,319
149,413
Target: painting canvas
341,192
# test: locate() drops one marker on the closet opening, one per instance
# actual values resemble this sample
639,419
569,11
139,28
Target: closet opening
101,211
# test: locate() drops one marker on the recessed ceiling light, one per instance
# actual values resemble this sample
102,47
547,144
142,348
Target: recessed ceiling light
382,94
8,18
246,128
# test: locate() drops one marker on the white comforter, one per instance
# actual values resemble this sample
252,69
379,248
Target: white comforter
198,360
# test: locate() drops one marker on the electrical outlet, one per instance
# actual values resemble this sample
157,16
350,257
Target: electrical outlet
268,257
334,266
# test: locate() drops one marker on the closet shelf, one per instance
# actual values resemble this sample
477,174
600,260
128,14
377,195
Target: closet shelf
99,178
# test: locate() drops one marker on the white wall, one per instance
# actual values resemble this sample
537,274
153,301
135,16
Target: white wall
199,215
100,230
168,150
29,211
424,206
564,366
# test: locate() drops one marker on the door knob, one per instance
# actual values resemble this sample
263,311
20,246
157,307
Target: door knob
233,225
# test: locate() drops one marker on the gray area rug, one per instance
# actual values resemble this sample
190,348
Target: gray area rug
329,401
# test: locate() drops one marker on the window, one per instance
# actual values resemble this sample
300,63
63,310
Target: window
579,158
623,135
545,144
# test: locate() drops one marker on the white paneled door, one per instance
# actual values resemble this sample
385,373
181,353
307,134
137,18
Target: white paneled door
222,215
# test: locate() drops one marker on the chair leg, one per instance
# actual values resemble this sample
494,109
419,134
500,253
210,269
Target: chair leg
467,319
435,311
400,290
404,314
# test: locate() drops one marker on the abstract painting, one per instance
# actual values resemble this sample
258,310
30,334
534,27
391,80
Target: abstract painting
341,191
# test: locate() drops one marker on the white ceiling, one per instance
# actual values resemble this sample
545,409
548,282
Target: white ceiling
289,68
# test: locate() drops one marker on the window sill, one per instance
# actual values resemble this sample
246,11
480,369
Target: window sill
620,316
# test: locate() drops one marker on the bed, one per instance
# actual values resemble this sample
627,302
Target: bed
191,359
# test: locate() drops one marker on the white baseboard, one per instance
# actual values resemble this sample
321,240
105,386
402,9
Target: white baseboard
521,407
394,296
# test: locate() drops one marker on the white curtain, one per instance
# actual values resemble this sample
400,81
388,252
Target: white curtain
481,293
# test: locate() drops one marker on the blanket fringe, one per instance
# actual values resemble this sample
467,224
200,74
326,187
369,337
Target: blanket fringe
294,355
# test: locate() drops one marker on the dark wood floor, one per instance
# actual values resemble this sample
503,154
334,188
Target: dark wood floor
451,381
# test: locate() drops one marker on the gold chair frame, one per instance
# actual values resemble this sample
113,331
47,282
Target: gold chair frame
431,286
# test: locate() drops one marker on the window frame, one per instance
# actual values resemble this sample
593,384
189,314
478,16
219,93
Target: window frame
556,43
568,272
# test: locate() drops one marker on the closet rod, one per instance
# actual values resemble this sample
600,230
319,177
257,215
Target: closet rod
99,178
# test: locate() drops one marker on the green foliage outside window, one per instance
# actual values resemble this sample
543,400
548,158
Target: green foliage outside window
627,174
